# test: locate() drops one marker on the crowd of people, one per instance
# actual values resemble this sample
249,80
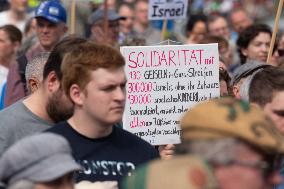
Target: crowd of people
63,94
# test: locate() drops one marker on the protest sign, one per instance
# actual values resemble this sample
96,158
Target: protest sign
163,83
167,9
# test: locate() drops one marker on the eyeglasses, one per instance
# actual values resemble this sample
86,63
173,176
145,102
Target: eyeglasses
267,167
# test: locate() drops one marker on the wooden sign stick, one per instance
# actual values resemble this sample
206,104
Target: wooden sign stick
73,16
164,29
275,29
105,20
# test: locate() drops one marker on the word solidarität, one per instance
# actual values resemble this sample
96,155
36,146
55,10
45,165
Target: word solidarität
170,58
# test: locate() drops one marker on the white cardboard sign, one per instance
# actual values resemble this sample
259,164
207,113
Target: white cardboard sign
163,83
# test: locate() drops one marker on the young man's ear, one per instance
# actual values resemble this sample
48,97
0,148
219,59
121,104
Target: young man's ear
33,84
76,95
52,82
236,91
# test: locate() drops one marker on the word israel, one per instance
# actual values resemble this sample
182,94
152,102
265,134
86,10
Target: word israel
167,9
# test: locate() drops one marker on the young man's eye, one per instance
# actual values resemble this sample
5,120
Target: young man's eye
108,88
279,112
123,86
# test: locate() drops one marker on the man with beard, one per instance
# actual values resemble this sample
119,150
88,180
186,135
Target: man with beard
44,107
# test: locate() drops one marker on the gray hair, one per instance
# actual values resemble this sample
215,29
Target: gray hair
22,184
244,88
216,151
35,67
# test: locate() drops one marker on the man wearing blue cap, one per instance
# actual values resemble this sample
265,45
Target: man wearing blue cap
50,28
51,23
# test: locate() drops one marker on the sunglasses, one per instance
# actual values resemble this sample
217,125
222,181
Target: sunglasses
280,51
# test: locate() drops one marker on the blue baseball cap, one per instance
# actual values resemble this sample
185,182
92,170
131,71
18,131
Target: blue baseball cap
52,11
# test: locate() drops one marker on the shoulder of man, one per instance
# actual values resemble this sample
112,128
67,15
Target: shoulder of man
9,125
59,128
10,113
64,129
131,139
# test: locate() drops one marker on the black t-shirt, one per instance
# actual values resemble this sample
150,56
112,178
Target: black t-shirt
108,158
